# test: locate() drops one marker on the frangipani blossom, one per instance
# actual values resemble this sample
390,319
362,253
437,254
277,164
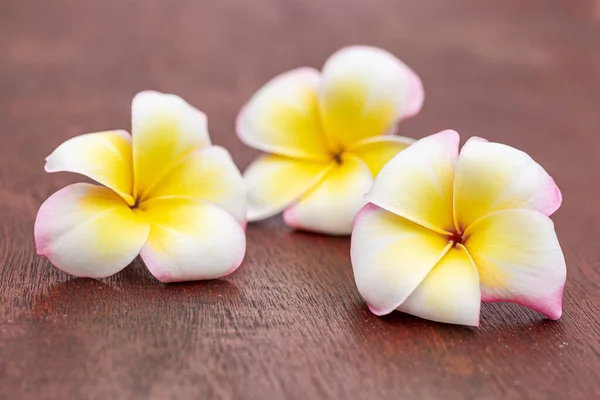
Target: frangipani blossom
443,231
168,195
327,134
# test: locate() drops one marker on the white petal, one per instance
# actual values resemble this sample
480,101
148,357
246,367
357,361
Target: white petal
492,177
391,256
103,156
331,206
191,240
417,183
519,260
378,151
364,92
89,231
450,293
165,129
283,117
274,182
206,174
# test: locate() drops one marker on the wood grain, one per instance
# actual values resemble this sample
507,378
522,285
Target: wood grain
289,324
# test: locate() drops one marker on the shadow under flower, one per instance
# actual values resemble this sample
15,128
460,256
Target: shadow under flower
131,291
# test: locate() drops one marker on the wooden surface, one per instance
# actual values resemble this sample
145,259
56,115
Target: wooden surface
289,324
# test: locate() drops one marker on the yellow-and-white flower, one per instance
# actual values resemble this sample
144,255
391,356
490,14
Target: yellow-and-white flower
327,134
168,194
443,231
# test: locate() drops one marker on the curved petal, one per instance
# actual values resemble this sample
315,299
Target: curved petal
391,256
283,117
165,129
274,182
89,231
103,156
492,177
378,151
364,91
191,239
416,96
417,183
450,293
519,260
332,205
206,174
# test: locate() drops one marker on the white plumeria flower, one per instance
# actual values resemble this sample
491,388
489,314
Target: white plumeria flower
168,195
327,134
443,232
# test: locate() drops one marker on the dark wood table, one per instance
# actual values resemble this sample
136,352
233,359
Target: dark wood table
290,324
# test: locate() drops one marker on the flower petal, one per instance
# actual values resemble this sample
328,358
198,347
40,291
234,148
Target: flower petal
274,182
391,256
165,129
103,156
332,205
416,96
450,293
378,151
364,91
191,239
283,117
206,174
519,260
492,177
89,231
417,183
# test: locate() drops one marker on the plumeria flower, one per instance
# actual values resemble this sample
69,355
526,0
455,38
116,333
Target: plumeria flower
443,231
327,134
168,195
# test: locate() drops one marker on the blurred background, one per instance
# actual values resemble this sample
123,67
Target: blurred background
499,70
521,72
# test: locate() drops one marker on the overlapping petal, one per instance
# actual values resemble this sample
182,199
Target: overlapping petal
191,239
378,151
519,259
274,182
417,183
391,256
492,177
206,174
450,293
283,117
165,129
364,91
331,205
89,231
103,156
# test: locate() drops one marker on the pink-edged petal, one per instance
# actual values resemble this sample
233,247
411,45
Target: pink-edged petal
89,231
391,256
283,117
417,183
165,129
274,182
378,151
493,176
191,240
206,174
103,156
519,259
363,92
416,96
450,293
332,205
